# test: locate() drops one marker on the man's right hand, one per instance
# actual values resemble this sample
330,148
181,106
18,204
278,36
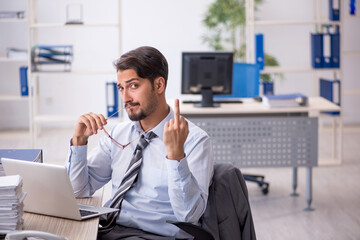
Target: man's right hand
87,125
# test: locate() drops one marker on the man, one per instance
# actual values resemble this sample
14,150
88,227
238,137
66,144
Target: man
177,164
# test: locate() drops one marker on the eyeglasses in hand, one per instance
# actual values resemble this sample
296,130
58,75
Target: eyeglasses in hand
122,146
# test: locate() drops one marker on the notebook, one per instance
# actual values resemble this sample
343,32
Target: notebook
49,190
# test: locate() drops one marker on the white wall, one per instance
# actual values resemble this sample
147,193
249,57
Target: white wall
172,26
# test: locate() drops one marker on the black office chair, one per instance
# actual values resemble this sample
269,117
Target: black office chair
259,179
228,213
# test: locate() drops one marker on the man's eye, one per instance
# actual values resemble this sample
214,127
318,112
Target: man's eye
133,85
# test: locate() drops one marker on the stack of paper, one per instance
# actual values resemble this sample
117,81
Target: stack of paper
11,203
285,100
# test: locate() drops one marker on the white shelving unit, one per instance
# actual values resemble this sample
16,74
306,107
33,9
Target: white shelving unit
14,97
37,118
316,22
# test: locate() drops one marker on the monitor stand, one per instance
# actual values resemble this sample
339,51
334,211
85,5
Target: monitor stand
207,99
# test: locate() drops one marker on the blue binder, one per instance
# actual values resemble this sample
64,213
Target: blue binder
259,50
335,49
326,62
330,90
334,10
268,88
112,99
317,50
352,7
245,81
24,89
33,155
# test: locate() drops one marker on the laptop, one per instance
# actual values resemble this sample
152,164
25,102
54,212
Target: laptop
49,190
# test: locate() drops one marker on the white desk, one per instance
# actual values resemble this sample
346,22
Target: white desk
250,106
252,135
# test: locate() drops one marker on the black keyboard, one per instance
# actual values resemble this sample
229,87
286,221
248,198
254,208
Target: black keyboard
85,213
217,100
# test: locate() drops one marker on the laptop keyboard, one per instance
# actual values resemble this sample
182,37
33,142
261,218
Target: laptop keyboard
85,213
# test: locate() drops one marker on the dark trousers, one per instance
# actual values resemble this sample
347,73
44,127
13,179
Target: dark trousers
128,233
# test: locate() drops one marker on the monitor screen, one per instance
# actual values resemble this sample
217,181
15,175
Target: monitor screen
207,73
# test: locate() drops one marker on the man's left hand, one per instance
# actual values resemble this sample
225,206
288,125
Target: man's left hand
175,134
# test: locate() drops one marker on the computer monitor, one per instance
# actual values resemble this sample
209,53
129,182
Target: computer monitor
207,73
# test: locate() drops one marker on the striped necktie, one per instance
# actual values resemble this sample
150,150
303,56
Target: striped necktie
128,181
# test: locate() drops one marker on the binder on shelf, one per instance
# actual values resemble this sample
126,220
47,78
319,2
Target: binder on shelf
34,155
326,62
330,90
267,88
24,89
317,50
112,99
335,49
325,48
352,7
334,10
51,55
259,50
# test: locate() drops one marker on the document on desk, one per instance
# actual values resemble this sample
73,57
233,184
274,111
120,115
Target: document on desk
285,100
11,203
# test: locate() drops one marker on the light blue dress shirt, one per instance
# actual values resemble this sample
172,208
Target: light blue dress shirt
165,189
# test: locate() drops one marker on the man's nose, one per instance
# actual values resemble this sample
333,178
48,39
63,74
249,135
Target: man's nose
125,96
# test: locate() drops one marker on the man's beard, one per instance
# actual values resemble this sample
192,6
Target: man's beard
148,109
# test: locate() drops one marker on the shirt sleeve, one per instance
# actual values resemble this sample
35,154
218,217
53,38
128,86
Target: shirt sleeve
189,180
88,173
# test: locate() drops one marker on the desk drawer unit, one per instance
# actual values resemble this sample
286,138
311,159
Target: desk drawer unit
280,141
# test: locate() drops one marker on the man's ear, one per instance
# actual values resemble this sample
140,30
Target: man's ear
159,85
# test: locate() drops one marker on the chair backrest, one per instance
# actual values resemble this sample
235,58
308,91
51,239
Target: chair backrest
228,213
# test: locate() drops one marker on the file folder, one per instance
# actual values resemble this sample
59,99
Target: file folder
51,57
334,10
268,88
335,49
317,50
326,63
112,102
33,155
245,81
24,89
259,48
352,7
330,90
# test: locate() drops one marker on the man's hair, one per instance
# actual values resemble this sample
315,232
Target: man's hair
147,62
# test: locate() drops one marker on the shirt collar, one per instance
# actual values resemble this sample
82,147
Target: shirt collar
158,129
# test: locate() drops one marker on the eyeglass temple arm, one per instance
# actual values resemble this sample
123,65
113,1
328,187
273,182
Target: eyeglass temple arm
115,113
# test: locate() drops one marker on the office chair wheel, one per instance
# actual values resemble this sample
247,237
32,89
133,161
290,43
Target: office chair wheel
259,179
265,189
